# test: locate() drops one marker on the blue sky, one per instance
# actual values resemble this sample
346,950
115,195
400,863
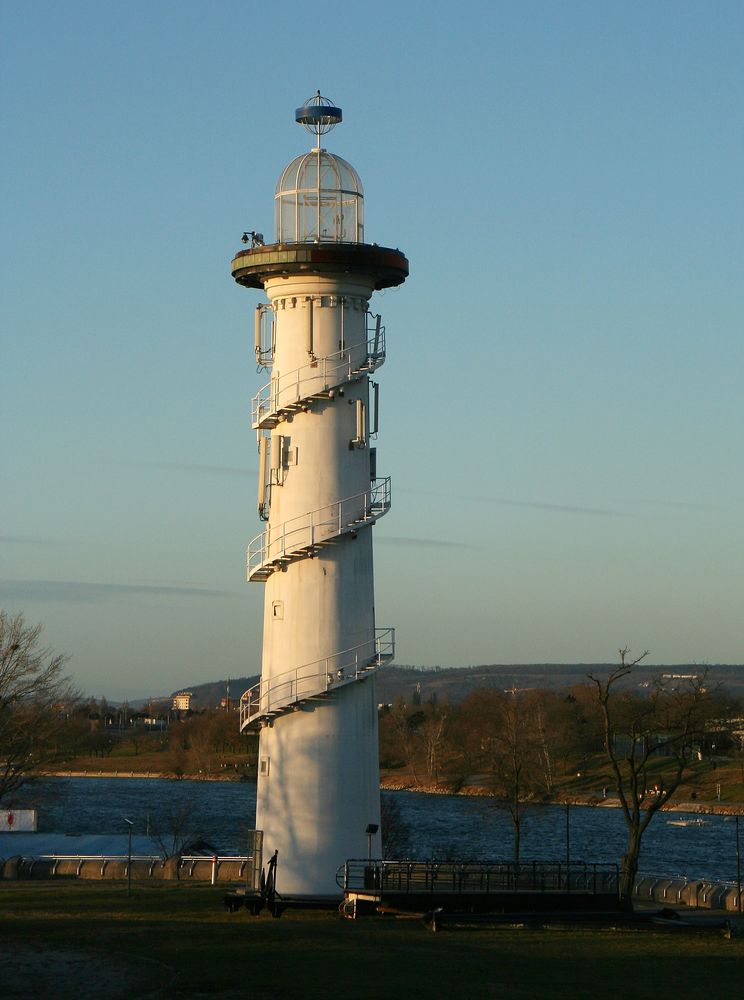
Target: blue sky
561,404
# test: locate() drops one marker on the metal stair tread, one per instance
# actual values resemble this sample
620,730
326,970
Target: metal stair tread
281,708
273,417
292,555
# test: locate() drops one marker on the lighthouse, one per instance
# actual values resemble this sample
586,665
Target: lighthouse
319,495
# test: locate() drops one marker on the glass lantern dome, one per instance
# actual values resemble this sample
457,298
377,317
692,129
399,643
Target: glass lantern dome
319,199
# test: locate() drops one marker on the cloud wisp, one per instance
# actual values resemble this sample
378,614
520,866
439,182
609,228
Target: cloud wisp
81,592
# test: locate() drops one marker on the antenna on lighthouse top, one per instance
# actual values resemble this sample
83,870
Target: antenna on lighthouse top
318,115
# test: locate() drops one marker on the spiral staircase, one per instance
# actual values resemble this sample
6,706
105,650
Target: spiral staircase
321,378
306,535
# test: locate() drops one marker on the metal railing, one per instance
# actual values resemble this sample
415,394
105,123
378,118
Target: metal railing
476,877
317,678
297,535
103,859
316,377
213,863
186,862
685,889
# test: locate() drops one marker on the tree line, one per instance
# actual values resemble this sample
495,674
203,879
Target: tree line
525,747
45,722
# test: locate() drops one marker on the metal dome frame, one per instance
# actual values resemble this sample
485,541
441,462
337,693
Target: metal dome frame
319,199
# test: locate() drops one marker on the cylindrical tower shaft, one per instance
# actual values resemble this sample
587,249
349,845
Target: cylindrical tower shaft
319,781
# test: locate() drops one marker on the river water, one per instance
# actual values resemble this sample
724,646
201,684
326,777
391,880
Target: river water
438,826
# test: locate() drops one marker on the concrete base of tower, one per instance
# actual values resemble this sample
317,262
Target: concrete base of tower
319,789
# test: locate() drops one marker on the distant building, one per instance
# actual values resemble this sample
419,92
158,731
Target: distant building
152,723
182,701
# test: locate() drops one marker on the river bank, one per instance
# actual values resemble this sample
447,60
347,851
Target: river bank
393,783
397,783
159,775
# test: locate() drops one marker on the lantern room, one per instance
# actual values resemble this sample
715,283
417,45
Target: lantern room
319,199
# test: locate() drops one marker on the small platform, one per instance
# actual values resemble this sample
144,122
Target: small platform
497,887
254,266
491,903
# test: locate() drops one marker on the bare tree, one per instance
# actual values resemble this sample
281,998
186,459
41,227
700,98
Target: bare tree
511,751
432,733
401,735
175,829
396,833
540,704
35,699
648,742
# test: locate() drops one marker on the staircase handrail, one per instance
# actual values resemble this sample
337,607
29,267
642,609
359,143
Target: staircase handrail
317,677
306,530
321,371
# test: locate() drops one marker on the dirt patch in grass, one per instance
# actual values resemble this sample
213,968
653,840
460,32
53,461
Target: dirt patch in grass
36,970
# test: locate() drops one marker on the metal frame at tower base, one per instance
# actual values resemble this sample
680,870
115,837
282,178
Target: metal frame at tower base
479,886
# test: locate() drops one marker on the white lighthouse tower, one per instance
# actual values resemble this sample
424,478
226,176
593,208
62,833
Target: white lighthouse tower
320,495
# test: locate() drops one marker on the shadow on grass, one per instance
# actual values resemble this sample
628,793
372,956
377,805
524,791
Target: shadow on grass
316,954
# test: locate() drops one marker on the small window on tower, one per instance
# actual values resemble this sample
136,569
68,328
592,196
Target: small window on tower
277,610
263,767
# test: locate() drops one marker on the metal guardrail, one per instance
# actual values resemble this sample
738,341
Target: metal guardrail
315,378
317,678
687,890
478,877
103,859
304,532
190,861
153,861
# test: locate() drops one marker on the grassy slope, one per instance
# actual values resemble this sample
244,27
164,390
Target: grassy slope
700,784
214,953
156,762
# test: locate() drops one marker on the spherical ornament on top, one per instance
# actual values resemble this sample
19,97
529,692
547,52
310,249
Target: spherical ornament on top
318,115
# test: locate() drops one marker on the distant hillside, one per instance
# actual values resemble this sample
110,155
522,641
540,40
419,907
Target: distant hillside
210,694
207,695
455,683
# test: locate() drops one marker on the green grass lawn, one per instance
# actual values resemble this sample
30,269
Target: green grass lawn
210,952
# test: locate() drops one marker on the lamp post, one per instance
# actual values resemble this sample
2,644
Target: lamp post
130,824
738,868
372,829
371,874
